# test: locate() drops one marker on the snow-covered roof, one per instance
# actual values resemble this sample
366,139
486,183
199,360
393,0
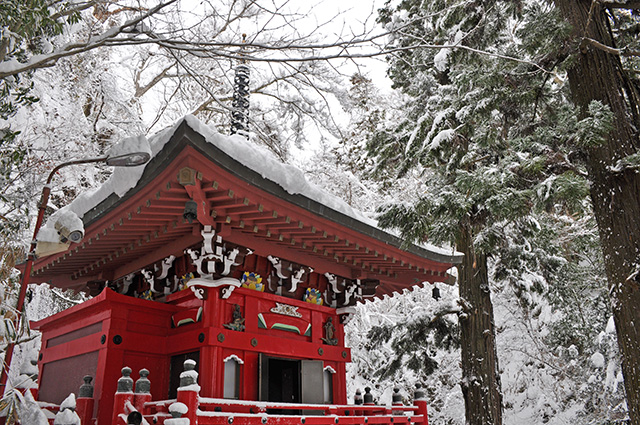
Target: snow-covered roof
253,158
137,217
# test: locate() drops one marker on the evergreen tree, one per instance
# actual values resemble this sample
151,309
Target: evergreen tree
602,74
486,124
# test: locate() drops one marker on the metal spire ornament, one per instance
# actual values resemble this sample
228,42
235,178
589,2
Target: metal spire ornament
240,103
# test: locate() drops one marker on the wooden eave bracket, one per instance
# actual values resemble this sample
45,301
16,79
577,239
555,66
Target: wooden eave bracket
192,182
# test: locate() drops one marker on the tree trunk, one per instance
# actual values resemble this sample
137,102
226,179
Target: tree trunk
480,378
598,75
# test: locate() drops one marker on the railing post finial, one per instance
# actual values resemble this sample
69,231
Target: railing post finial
357,399
125,383
368,397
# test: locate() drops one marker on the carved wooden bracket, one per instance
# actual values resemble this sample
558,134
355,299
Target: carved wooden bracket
192,182
198,284
290,272
213,259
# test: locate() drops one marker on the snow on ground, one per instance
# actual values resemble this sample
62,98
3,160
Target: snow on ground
540,384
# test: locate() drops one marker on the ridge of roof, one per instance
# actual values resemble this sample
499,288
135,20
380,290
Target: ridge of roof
241,158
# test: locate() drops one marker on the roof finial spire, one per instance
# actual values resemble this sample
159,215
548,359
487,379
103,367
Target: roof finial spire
240,111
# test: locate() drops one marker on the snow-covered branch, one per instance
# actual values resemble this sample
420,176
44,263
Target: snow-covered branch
109,37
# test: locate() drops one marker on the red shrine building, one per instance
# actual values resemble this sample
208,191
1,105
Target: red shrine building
219,254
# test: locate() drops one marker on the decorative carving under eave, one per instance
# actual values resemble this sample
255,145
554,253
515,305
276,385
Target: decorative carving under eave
215,259
289,272
198,284
344,292
238,321
159,279
187,176
126,283
252,280
313,296
165,266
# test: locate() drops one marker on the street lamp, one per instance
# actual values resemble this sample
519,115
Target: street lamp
127,160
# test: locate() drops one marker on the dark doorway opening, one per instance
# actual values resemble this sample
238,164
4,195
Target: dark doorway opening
290,381
284,380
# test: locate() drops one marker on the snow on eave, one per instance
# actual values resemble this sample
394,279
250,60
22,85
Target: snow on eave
233,357
259,167
261,160
330,369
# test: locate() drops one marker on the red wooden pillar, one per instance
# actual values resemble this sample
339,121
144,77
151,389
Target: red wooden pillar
188,392
124,395
420,401
110,361
340,384
212,318
189,397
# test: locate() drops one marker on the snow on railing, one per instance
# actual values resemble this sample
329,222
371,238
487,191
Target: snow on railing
129,406
191,409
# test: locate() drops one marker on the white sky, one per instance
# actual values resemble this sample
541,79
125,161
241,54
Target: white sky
354,17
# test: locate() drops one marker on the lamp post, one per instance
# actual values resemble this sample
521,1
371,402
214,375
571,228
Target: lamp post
126,160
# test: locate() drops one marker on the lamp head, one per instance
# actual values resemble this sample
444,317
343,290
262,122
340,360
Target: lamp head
132,159
69,231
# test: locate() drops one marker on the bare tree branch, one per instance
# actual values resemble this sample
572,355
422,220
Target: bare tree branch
631,5
79,7
286,51
141,90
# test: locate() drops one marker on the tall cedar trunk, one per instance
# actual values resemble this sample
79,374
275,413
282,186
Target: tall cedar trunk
480,378
597,75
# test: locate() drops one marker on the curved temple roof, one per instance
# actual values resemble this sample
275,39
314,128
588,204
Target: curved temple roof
249,197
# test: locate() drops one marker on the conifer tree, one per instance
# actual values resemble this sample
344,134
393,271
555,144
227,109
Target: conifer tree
483,122
603,73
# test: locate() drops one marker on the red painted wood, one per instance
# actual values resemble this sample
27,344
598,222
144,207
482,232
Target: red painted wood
148,340
139,401
84,409
150,224
422,410
189,398
120,400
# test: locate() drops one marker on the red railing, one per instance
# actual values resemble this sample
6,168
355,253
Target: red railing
191,409
212,411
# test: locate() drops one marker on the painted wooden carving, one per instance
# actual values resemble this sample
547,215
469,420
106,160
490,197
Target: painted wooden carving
198,284
330,333
238,321
290,274
313,296
277,321
216,259
251,280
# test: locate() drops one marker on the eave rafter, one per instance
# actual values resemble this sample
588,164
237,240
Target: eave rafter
150,226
